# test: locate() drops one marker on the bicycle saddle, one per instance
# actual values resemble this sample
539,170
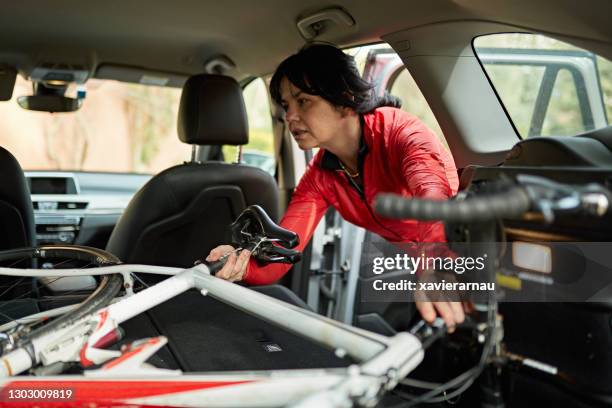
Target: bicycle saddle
255,231
254,222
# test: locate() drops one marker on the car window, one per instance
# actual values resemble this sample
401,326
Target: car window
413,101
565,115
259,152
548,87
383,67
121,127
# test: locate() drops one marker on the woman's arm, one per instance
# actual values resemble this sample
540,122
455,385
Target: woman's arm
302,216
428,170
425,163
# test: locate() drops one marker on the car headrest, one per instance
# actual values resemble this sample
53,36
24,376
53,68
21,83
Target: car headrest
212,112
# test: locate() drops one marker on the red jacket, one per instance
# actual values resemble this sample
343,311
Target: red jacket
398,154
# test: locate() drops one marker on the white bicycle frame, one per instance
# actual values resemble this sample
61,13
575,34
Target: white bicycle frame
383,361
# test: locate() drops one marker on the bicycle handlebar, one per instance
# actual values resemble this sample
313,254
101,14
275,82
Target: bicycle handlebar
509,204
530,192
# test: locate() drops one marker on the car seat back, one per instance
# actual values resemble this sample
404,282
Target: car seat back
185,211
16,211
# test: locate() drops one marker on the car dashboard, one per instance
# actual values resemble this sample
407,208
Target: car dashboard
79,208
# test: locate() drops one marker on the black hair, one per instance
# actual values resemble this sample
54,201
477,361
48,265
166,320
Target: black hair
328,72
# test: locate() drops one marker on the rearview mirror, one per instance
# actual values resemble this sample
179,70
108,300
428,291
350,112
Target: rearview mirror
49,103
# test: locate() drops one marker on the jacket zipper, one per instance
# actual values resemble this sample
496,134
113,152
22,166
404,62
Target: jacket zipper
363,198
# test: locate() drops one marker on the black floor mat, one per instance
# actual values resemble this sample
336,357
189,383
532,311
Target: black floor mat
206,335
140,327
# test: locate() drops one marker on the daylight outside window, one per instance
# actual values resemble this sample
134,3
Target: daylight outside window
121,127
548,87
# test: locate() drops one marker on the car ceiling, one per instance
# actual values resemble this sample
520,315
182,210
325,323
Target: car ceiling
180,36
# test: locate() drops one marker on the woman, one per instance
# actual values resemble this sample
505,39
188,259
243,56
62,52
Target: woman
367,146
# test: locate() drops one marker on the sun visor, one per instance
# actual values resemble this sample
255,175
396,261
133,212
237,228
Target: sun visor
8,75
140,76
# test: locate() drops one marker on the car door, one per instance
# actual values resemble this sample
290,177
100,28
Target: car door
342,253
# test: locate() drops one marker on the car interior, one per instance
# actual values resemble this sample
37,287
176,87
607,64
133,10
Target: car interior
195,202
204,66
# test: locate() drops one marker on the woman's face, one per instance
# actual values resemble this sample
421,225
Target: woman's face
312,120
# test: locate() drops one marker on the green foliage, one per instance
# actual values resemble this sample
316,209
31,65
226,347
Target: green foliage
261,140
605,77
152,113
261,137
415,103
518,86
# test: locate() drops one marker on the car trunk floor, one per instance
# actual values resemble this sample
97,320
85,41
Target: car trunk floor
205,334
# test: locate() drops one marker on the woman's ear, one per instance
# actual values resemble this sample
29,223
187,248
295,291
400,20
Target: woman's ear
345,111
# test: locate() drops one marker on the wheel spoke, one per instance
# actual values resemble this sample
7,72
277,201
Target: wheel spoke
58,257
136,277
12,286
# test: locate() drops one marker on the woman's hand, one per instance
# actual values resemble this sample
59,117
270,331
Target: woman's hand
451,312
443,303
235,265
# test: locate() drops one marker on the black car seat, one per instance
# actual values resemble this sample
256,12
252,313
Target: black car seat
185,211
16,212
18,230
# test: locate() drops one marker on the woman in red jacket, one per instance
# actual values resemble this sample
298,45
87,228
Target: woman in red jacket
367,146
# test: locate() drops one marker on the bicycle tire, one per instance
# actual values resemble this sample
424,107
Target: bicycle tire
106,290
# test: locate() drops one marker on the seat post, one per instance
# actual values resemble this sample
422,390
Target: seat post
239,155
193,153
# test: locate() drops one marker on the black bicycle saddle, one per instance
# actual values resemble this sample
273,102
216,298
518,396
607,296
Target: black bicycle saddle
254,222
255,231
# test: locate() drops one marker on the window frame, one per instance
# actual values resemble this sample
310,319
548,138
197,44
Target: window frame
593,113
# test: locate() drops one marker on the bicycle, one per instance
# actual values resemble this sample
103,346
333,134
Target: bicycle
380,363
383,361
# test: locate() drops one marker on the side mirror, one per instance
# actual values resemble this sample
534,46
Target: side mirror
49,103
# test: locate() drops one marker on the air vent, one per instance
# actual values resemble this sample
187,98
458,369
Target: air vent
71,206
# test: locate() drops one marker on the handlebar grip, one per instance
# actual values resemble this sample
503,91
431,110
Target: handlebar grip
215,266
509,204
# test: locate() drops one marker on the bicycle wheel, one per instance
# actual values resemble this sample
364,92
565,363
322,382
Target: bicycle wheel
40,296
